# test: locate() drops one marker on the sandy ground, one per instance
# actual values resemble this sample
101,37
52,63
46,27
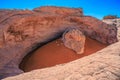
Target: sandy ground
56,53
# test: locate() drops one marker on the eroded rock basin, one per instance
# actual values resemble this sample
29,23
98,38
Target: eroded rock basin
55,53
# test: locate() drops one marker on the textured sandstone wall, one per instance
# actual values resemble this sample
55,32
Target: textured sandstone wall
103,65
60,10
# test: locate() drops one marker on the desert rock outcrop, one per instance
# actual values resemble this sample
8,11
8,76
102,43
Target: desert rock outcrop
75,40
96,29
115,22
60,10
21,31
89,25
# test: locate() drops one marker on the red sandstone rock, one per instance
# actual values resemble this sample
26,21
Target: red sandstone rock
96,29
110,17
21,31
91,26
75,40
60,10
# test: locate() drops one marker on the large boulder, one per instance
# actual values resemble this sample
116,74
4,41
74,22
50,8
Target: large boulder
74,39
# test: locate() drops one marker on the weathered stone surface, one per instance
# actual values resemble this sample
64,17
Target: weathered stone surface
110,17
60,10
21,31
115,22
74,39
118,36
103,65
96,29
92,27
22,34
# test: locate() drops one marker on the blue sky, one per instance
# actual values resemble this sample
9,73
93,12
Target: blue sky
96,8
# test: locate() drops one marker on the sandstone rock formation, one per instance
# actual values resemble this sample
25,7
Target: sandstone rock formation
110,17
89,25
21,31
102,65
118,34
96,29
74,39
60,10
115,22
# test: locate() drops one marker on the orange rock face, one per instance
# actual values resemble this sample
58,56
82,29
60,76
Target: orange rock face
60,10
96,29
